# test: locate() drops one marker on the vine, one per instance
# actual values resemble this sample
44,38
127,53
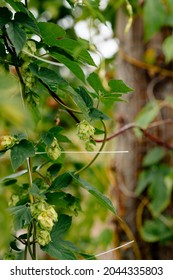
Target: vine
39,204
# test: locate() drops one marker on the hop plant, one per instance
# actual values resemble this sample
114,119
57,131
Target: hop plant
45,216
85,131
42,207
43,236
45,220
53,150
89,146
28,79
7,142
30,47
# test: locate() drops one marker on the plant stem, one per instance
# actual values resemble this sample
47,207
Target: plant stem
101,148
34,238
22,87
30,227
144,131
30,178
26,3
58,100
25,252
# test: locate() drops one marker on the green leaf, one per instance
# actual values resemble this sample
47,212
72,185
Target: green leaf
103,200
13,246
154,17
70,64
48,76
26,21
59,248
145,177
119,86
169,13
16,35
147,114
113,97
154,156
77,49
168,48
17,6
35,191
64,202
24,236
20,152
56,133
5,16
47,138
54,81
56,130
85,96
159,192
22,216
157,231
9,182
98,131
63,138
54,169
51,32
61,181
94,81
14,175
96,114
71,3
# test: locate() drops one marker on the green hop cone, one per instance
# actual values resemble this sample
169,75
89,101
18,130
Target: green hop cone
29,79
52,213
44,214
85,131
43,236
37,208
89,146
7,142
45,221
30,47
53,150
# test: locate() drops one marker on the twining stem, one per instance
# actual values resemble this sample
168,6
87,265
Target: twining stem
42,59
30,227
68,108
22,86
30,178
26,3
94,158
130,235
34,238
58,100
144,131
25,252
